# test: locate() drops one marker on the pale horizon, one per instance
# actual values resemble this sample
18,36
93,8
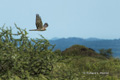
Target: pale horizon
78,18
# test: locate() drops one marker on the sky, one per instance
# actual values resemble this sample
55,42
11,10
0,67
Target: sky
66,18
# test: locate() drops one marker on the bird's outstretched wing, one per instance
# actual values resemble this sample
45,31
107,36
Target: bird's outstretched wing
39,23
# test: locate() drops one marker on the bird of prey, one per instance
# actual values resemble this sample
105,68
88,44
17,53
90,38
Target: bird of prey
39,24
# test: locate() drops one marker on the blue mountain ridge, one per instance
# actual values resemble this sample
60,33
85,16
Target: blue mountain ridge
94,43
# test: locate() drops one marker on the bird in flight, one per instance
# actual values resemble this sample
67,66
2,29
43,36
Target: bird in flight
39,24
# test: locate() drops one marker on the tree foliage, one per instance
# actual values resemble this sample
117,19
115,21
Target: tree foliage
106,52
80,50
23,56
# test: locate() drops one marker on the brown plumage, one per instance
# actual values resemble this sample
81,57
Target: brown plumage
39,24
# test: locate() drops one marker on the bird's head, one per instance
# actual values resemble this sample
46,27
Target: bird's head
46,25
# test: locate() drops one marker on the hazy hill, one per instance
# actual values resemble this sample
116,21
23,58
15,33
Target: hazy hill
79,50
93,43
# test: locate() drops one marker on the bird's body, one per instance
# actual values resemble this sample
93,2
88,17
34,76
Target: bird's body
39,24
37,30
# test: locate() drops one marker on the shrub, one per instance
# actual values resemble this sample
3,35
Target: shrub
22,56
79,50
106,52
